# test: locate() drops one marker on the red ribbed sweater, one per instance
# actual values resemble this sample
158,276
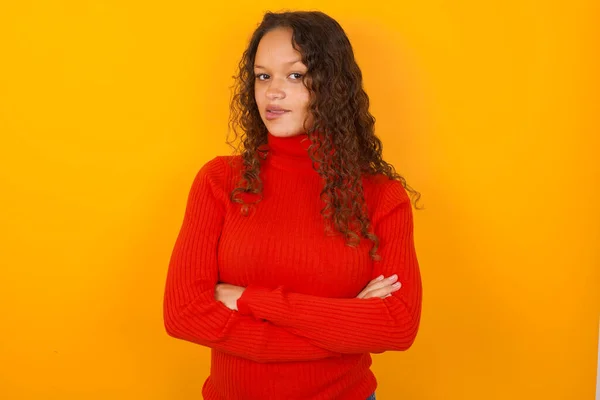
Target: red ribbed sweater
300,332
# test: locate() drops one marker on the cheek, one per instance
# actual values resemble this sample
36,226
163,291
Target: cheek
259,96
306,113
302,100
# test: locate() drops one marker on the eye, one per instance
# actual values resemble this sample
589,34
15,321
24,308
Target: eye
296,75
260,77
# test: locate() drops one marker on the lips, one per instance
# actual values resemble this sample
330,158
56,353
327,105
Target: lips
274,112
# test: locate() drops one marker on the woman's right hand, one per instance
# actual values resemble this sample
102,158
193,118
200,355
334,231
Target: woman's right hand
380,287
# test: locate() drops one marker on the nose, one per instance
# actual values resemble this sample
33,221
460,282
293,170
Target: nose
275,91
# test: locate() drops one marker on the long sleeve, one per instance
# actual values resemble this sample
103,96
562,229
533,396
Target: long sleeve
190,310
356,325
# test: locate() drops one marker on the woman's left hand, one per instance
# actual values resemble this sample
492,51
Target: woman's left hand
228,294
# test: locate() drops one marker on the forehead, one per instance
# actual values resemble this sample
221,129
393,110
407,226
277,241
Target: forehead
276,48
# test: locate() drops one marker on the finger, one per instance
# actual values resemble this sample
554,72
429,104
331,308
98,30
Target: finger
382,292
377,283
364,291
382,283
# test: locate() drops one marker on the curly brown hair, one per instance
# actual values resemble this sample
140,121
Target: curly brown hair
342,121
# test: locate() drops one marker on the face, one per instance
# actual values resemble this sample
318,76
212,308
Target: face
280,95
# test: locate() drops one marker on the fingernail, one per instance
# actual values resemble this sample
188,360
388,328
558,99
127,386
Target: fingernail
391,278
380,277
397,285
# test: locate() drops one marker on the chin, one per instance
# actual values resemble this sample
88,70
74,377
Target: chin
282,131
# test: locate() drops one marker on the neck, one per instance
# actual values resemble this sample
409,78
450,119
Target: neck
290,153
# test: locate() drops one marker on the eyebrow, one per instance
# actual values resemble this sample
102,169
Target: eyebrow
287,63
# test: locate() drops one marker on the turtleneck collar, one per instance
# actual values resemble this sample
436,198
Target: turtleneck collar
290,153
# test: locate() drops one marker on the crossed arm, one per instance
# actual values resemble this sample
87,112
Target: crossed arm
274,325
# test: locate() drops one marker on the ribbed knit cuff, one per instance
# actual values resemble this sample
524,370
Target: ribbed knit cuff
243,303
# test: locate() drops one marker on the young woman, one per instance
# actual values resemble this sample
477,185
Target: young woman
296,259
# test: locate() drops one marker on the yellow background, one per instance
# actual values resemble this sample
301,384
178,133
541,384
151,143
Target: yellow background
109,108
